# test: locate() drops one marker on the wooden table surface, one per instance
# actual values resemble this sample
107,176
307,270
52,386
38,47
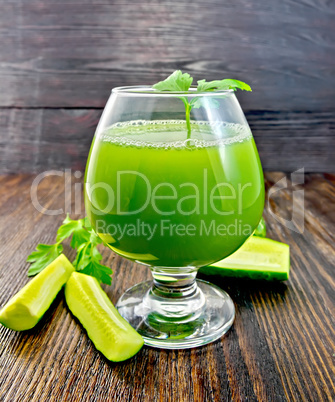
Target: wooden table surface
280,348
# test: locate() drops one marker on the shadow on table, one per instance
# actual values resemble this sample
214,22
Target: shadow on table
244,291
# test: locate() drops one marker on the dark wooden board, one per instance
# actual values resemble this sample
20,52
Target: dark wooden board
71,54
42,139
68,55
280,348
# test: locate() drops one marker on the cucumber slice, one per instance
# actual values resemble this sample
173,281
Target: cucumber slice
261,228
258,258
26,308
110,333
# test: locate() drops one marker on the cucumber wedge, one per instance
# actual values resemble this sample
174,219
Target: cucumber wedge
26,308
110,333
258,258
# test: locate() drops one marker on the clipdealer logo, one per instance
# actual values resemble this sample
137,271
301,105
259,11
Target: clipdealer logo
74,192
296,223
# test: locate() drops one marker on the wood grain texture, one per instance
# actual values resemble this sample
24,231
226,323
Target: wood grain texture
68,56
280,348
42,139
71,54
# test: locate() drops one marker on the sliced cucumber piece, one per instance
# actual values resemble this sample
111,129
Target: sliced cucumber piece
258,258
110,333
26,308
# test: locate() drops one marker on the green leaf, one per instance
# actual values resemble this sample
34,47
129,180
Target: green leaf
88,260
176,82
83,256
42,257
84,240
95,239
87,223
204,86
179,82
74,228
261,228
79,255
99,271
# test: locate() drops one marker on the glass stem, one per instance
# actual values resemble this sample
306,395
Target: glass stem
174,295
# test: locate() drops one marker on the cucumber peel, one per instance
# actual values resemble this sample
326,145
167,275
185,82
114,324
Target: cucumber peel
258,258
110,333
27,307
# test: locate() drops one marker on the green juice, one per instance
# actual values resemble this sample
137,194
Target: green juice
158,198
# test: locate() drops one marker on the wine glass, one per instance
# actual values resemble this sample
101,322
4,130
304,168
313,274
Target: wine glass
175,191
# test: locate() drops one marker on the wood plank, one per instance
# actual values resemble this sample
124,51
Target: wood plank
42,139
34,140
71,54
280,347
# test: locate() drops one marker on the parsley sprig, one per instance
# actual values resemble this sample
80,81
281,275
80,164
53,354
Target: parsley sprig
181,82
83,240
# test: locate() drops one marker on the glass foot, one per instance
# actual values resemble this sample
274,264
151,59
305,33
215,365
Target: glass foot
179,323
